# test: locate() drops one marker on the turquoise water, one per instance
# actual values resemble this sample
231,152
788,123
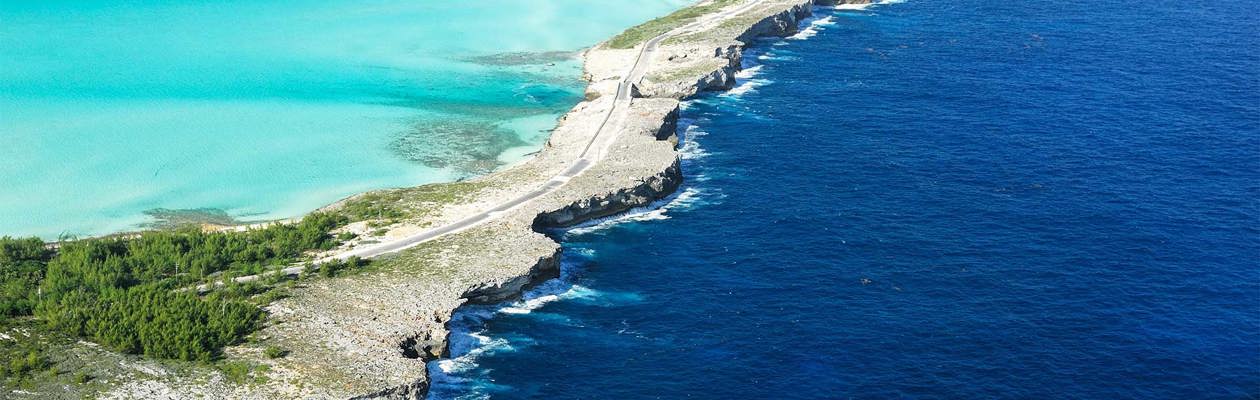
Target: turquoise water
269,109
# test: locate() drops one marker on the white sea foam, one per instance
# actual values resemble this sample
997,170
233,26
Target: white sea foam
745,87
746,78
477,346
656,211
543,295
749,72
468,341
812,27
527,306
853,6
868,5
690,149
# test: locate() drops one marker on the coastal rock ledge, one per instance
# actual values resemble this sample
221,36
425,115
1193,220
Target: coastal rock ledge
371,335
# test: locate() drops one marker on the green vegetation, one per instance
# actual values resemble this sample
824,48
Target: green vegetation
647,30
385,207
19,363
131,296
21,268
243,372
274,352
382,205
338,267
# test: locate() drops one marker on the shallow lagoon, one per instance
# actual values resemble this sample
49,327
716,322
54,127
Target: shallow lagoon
268,109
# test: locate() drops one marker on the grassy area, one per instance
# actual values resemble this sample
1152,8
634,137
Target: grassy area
647,30
394,205
727,29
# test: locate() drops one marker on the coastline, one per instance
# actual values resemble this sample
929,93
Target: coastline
371,335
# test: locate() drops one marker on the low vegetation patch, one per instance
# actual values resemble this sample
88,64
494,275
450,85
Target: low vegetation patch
386,207
20,363
647,30
274,352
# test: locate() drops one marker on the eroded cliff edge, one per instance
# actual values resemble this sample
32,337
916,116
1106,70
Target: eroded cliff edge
371,335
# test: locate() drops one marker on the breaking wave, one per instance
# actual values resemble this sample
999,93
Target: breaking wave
867,5
812,26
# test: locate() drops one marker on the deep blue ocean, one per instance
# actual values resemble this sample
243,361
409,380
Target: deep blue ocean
930,199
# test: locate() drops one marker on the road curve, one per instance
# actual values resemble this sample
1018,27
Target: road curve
621,101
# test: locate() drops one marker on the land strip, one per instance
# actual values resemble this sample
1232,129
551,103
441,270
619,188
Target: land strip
372,334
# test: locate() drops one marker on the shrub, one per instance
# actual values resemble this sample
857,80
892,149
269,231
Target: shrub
274,352
124,293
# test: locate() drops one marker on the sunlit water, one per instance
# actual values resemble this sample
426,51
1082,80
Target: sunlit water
965,199
269,109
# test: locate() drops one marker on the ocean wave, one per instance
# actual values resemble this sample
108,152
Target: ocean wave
745,87
853,6
867,5
776,56
656,211
570,292
748,72
690,149
477,345
812,26
468,342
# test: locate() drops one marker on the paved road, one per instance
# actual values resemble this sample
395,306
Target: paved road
621,102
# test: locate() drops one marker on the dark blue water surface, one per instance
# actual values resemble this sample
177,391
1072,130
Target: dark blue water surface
931,199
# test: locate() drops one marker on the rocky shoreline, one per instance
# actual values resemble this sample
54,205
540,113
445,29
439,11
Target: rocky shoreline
371,335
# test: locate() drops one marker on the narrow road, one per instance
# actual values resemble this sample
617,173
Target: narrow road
585,160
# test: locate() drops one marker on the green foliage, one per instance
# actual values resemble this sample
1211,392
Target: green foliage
334,268
19,362
124,293
381,205
235,371
275,352
82,377
243,372
647,30
21,268
271,296
387,207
